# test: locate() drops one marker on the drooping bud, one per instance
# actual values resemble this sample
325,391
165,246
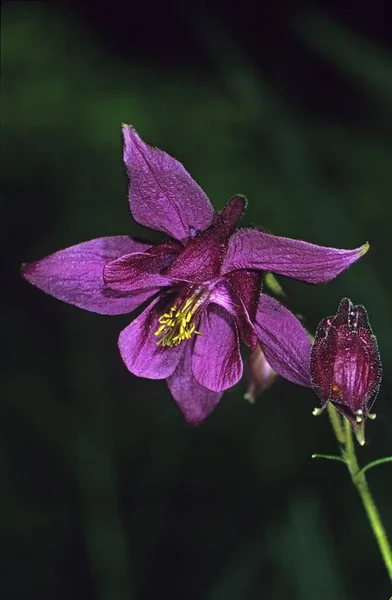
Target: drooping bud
261,374
345,364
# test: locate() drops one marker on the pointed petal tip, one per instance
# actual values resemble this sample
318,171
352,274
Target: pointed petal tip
360,438
192,421
359,431
127,130
364,248
129,133
27,270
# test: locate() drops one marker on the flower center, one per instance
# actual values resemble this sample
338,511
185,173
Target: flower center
179,322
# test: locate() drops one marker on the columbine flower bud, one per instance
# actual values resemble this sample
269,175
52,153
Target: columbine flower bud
261,374
345,364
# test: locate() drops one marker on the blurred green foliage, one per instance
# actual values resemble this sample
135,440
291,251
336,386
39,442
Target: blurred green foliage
105,492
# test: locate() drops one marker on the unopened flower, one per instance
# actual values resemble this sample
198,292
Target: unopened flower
345,364
260,373
201,284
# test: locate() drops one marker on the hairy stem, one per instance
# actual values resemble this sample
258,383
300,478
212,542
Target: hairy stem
344,435
359,480
337,423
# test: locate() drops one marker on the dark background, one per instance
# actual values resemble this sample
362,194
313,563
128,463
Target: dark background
105,492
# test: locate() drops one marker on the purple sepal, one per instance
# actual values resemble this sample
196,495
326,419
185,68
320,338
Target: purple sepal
162,194
75,275
253,249
284,341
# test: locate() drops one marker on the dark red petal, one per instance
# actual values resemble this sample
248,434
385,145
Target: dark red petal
202,258
239,294
322,362
141,270
226,221
200,261
247,286
343,313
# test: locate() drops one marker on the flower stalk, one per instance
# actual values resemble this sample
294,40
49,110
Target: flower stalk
344,434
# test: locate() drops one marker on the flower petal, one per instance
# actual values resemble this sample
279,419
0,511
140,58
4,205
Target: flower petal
284,341
132,272
247,285
141,270
216,361
162,194
233,298
140,351
195,401
253,249
200,261
225,221
75,275
202,258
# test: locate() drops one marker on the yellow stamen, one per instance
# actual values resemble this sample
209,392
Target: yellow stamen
159,331
178,324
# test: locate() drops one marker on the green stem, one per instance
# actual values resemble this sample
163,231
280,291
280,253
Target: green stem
336,422
349,450
375,522
359,480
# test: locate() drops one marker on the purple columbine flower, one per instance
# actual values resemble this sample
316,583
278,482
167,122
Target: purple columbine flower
201,284
345,364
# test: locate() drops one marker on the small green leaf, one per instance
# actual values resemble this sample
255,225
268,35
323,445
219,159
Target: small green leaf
375,463
329,457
